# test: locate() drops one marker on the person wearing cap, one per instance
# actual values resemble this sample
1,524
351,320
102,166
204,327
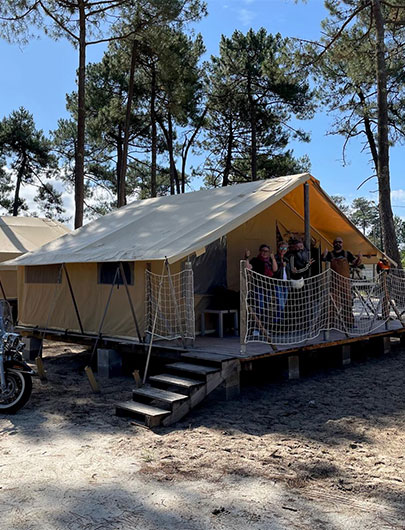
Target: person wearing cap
340,261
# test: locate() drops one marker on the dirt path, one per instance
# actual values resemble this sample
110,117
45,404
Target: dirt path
325,452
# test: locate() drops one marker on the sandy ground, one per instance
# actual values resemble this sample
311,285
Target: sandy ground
324,452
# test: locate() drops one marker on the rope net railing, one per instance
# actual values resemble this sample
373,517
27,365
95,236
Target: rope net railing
293,311
169,300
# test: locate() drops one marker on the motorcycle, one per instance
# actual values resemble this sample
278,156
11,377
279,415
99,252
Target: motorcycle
15,374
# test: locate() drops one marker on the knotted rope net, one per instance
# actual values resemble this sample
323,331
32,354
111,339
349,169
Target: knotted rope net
295,311
169,302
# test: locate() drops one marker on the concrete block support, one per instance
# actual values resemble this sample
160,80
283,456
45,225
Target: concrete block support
386,345
109,363
346,356
293,367
33,346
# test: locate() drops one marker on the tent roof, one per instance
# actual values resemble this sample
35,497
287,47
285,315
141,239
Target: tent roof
19,235
171,226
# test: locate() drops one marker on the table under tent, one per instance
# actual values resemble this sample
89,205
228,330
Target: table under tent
152,272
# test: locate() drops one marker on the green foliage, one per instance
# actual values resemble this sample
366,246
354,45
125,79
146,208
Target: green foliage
403,258
364,214
29,156
253,91
347,80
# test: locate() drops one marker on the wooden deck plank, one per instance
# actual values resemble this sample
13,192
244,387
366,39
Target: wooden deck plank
193,368
169,379
230,345
157,393
207,356
141,408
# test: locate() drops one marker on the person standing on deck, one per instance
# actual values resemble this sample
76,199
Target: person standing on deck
300,262
383,265
340,261
283,273
265,264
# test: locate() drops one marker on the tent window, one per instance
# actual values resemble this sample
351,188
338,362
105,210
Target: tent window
106,273
43,274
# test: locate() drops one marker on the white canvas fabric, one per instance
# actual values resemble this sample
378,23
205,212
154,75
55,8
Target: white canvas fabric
19,235
178,225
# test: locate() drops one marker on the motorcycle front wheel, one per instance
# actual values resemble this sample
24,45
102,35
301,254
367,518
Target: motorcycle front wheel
17,392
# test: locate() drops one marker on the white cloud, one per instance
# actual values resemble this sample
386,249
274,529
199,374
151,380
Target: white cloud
246,16
398,196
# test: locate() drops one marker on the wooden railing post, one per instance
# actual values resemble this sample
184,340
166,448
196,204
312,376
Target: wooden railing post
189,296
243,306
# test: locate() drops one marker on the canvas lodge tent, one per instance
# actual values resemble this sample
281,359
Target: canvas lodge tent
210,227
19,235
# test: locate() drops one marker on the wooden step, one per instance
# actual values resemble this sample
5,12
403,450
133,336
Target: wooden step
183,383
196,369
152,416
207,356
157,393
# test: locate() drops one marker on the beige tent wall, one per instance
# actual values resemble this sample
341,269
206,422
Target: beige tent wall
258,230
288,213
8,279
36,301
328,220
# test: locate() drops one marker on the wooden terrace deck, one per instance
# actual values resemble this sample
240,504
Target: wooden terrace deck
228,345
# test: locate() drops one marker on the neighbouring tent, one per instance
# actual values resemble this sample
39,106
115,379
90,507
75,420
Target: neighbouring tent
211,228
19,235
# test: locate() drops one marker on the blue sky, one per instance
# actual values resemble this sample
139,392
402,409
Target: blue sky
38,75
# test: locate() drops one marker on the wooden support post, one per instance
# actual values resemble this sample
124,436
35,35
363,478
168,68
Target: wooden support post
100,328
189,296
73,298
3,291
307,218
137,377
346,357
242,302
131,305
40,369
293,367
232,384
92,379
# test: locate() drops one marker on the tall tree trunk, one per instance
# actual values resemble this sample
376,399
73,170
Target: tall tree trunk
174,176
20,175
228,159
153,188
186,148
122,196
369,132
173,173
120,161
253,127
81,120
383,173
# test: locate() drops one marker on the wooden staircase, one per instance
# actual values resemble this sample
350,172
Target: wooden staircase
168,397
